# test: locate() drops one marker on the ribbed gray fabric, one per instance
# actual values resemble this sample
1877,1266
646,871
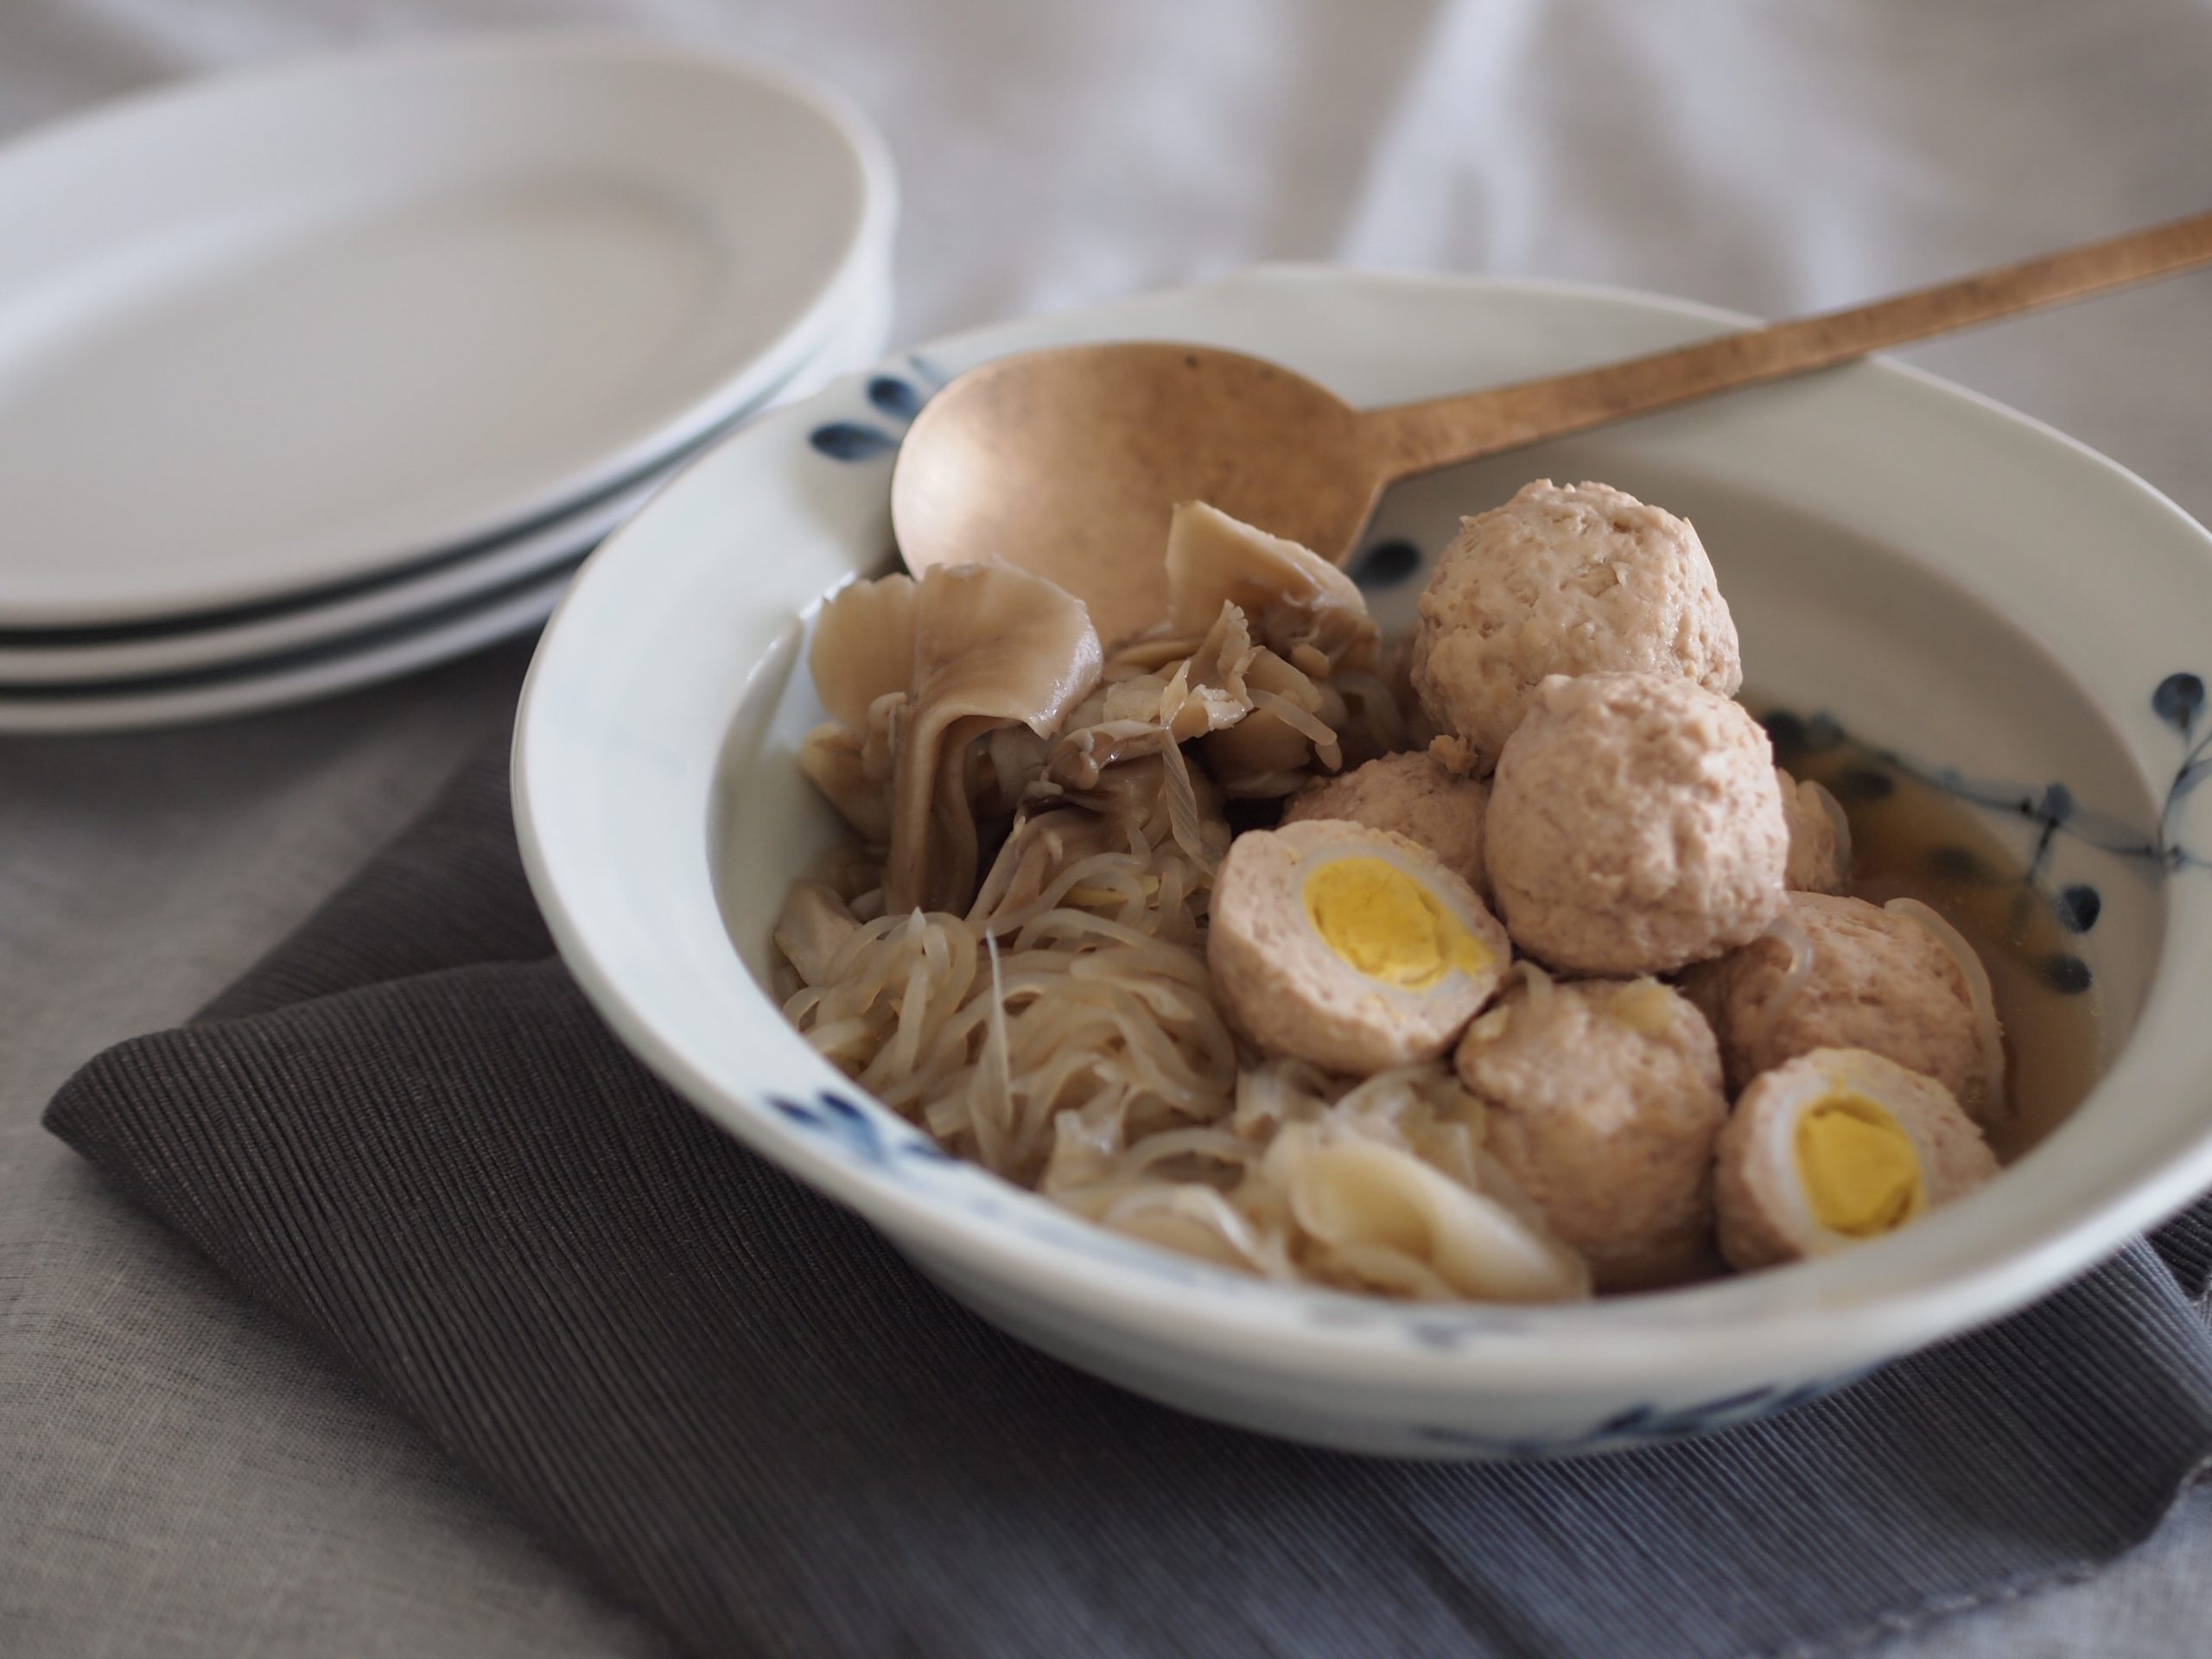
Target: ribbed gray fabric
730,1401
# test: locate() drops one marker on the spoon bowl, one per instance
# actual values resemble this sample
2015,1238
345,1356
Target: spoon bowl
1069,462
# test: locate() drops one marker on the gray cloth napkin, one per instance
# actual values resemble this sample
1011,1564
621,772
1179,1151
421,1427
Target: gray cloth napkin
738,1408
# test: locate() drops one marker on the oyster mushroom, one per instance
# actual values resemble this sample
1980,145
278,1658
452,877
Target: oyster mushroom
1292,727
993,646
864,646
1297,601
982,647
1260,723
854,774
863,660
815,926
1305,620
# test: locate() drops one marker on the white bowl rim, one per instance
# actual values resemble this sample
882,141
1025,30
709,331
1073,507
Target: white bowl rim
1936,1280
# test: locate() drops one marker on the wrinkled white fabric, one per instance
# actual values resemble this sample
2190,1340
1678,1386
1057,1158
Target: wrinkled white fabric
178,1474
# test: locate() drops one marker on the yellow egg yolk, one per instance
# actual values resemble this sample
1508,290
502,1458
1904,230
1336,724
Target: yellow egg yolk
1389,925
1861,1172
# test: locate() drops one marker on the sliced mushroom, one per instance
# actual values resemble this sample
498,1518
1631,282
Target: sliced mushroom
1209,690
1146,797
1293,725
1297,601
1150,701
1134,698
1082,756
831,759
1013,760
815,926
853,765
1035,851
864,646
992,646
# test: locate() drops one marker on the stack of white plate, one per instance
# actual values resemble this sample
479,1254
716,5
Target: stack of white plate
313,375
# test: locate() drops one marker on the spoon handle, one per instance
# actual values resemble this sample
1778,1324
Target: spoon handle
1415,437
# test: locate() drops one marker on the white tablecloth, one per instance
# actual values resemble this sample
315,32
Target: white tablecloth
179,1474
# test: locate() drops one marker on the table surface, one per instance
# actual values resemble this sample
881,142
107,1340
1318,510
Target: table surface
179,1474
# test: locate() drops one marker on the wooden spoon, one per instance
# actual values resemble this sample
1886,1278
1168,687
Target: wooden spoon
1067,461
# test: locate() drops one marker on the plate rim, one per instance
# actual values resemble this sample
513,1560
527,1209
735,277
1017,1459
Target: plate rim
320,670
865,247
94,659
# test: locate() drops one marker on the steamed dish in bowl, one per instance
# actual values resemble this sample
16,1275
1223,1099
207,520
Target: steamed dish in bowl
1494,961
2000,718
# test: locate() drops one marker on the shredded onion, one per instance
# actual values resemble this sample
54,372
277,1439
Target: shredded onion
1305,724
1540,987
1190,1202
1979,992
1838,821
1183,805
1643,1004
997,1067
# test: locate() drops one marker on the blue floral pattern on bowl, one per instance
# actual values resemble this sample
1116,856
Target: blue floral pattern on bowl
859,1130
2179,702
895,400
1647,1425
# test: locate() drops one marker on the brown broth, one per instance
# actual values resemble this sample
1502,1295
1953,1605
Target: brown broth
1910,839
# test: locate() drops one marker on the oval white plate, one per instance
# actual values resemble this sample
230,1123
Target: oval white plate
276,331
343,665
75,660
1897,550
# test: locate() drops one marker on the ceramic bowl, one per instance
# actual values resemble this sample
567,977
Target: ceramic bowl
2019,617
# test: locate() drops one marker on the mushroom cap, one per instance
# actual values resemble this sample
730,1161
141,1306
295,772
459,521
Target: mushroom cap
1439,953
1293,595
1412,795
1768,1212
1820,844
863,646
1564,579
1876,980
991,645
1604,1102
1635,826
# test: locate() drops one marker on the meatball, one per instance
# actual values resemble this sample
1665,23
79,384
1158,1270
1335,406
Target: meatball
1414,796
1604,1101
1820,837
1349,948
1635,826
1868,978
1835,1148
1565,581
